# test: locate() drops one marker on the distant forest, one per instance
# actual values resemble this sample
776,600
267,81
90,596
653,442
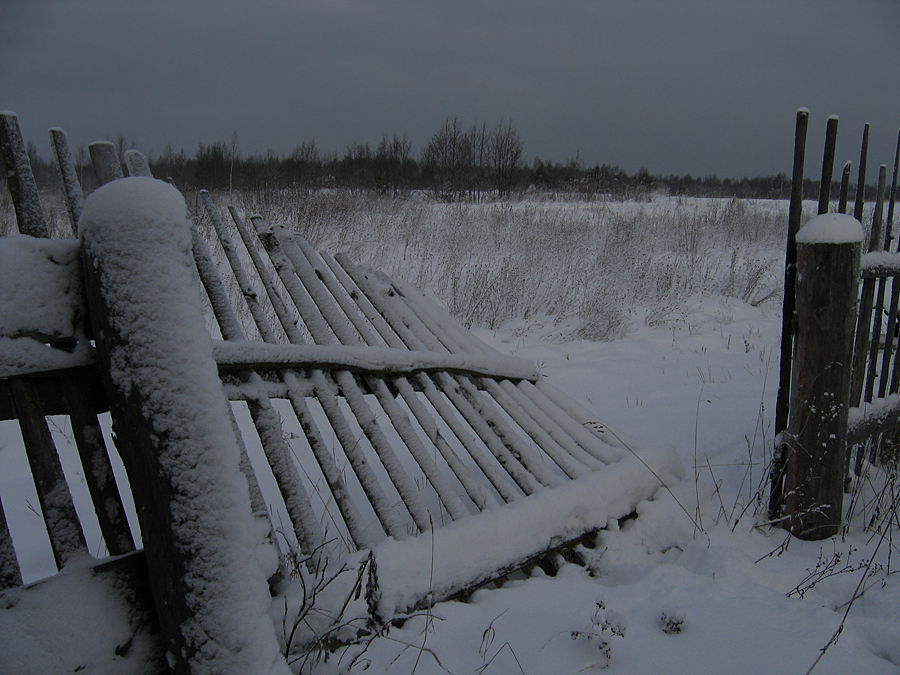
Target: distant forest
456,163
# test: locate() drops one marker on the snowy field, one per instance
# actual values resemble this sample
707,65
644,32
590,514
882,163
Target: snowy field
664,319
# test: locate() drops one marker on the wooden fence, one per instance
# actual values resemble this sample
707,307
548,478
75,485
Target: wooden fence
404,422
837,402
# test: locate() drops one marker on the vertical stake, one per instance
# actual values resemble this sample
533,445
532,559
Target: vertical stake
828,164
861,178
795,215
845,187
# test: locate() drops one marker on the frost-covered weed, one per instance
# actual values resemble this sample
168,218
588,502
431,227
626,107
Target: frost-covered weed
604,626
490,262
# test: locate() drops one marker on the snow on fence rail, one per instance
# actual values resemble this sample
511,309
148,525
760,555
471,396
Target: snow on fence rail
839,368
359,410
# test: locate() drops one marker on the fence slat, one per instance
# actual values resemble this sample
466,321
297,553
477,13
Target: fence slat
98,471
60,518
828,164
105,161
20,179
845,187
137,164
861,178
877,239
68,177
10,576
788,316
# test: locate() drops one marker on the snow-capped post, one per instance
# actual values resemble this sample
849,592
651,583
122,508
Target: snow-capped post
105,161
828,258
20,179
205,558
137,164
67,175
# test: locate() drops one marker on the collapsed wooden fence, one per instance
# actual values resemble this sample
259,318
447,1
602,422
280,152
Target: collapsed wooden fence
376,416
838,402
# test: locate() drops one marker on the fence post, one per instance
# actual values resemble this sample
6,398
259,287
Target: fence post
174,432
828,255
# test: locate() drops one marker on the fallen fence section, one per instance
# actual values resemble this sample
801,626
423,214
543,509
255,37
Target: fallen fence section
391,447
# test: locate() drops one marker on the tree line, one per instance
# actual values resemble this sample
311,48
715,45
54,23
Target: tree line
457,162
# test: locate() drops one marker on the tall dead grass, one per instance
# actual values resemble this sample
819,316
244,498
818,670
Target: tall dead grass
490,262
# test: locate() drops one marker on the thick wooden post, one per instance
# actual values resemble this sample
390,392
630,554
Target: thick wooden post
174,432
828,254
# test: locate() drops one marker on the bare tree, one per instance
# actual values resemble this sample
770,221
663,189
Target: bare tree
448,157
506,157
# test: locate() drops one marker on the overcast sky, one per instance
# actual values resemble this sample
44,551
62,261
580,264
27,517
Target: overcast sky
692,86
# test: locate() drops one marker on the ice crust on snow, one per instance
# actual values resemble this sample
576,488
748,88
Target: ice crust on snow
137,236
831,228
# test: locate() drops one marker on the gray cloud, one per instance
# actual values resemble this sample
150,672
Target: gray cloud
698,86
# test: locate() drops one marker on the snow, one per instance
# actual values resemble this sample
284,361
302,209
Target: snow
880,263
40,288
235,353
466,552
831,228
44,629
43,302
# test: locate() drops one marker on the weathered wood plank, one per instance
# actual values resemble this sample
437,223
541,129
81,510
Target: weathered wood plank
10,575
98,473
52,390
243,355
20,179
60,518
68,178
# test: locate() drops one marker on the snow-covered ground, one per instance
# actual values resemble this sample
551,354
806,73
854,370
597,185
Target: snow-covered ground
698,582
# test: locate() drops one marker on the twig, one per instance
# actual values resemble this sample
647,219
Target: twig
856,594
